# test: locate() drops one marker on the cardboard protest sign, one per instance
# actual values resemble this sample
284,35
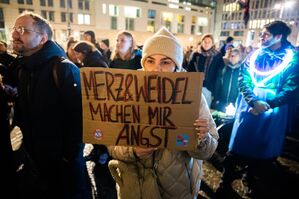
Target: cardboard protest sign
137,108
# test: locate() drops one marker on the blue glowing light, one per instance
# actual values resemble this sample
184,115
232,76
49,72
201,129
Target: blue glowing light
271,73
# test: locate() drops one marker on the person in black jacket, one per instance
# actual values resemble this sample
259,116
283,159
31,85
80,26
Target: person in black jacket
209,61
5,58
227,88
49,112
88,56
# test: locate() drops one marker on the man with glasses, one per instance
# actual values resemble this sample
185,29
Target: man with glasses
268,84
48,111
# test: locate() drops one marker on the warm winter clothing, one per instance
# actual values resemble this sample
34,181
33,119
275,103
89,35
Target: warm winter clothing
179,173
263,136
163,42
227,88
50,117
132,64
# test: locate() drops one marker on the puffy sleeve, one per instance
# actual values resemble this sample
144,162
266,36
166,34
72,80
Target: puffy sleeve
124,153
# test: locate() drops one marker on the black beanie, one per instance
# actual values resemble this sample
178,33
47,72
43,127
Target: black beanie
106,42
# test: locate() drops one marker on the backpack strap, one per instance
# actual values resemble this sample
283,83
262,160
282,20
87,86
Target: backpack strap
55,64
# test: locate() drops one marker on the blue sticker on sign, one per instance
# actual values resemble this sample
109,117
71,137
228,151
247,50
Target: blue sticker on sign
182,139
98,134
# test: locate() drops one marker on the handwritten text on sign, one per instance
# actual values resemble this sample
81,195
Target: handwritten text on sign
148,109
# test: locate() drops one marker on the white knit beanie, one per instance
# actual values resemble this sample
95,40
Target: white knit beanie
165,43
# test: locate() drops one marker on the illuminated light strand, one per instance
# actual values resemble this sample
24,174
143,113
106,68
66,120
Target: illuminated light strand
272,73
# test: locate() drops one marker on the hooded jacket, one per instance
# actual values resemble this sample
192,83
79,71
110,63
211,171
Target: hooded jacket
50,118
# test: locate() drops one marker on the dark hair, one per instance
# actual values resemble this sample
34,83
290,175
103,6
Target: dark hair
207,36
92,36
279,28
229,39
84,47
70,42
40,23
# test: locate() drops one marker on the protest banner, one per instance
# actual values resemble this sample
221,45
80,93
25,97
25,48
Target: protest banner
137,108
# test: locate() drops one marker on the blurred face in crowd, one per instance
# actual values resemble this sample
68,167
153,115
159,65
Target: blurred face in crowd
26,38
207,43
71,53
86,37
79,56
123,44
159,63
234,57
267,39
103,46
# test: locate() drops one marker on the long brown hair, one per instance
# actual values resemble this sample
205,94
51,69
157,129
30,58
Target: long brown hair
130,54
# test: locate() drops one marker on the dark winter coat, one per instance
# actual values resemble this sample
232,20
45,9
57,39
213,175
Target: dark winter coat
134,63
197,64
227,88
50,117
95,59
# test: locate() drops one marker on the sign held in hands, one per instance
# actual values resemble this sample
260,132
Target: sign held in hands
137,108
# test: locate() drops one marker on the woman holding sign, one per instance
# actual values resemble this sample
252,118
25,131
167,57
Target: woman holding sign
164,173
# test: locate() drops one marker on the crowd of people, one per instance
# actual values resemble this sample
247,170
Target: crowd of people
41,121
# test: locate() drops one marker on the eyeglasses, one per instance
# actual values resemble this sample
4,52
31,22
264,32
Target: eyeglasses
21,30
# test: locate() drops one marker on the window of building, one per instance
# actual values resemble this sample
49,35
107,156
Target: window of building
130,23
113,22
83,19
200,29
51,16
21,2
132,12
62,3
180,21
21,10
42,2
43,14
1,18
150,26
193,25
4,1
166,19
69,3
83,4
104,8
113,10
151,14
50,3
71,17
48,15
63,17
238,33
202,21
224,33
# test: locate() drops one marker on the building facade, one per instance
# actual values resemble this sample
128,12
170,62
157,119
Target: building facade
188,20
229,19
